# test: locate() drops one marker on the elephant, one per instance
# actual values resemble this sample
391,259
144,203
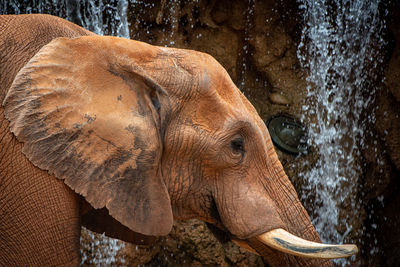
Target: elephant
124,137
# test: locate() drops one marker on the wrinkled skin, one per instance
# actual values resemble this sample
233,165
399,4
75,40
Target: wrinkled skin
124,137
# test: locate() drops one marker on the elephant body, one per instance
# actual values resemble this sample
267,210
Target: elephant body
31,200
29,195
180,150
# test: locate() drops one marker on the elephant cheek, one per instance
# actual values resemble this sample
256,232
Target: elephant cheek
248,213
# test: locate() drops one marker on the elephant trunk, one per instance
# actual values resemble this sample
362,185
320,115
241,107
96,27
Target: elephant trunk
296,221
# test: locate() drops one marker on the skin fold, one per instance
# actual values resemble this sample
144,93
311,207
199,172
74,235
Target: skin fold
123,137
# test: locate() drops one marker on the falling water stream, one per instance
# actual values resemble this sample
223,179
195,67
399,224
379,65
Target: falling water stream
338,47
101,17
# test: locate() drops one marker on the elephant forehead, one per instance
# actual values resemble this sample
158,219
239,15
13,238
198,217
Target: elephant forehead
220,102
214,81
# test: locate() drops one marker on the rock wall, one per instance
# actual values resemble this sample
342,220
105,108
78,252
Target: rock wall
385,179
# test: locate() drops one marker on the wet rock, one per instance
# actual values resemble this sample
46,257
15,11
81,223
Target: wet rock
190,243
215,42
388,109
270,47
235,18
393,73
279,99
274,51
393,70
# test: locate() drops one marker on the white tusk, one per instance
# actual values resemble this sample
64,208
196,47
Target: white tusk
291,244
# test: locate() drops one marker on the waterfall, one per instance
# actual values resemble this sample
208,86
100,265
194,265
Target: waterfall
101,17
338,48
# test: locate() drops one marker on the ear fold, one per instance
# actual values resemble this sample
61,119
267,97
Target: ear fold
83,109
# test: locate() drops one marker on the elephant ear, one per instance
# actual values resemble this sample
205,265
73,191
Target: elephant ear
88,113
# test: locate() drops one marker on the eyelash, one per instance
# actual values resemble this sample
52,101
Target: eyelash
237,145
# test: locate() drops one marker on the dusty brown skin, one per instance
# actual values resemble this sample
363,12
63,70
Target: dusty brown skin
144,133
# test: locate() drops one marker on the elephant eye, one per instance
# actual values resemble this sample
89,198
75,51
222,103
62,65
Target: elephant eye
237,145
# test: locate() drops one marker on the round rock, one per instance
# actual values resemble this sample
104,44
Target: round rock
288,134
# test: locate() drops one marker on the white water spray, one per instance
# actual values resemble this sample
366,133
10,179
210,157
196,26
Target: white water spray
338,47
101,17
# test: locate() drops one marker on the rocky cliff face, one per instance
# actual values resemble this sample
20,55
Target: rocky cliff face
385,180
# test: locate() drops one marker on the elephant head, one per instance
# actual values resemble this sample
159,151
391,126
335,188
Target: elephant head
154,133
